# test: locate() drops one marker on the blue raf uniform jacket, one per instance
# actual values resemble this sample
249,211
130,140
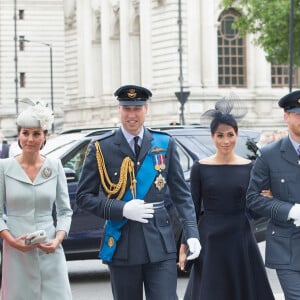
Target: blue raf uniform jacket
139,243
277,168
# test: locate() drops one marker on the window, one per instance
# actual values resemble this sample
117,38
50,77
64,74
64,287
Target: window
21,42
231,53
22,79
280,75
21,14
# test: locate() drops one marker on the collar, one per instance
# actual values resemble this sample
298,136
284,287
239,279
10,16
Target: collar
129,137
295,144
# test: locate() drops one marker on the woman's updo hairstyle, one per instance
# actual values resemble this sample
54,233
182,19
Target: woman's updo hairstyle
226,111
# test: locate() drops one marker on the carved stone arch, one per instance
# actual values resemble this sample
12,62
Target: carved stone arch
116,21
136,5
116,29
135,17
161,2
135,28
70,13
228,13
96,21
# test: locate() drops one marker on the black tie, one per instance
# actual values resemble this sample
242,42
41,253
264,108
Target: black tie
137,147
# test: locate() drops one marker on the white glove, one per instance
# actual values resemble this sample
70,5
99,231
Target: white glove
194,248
295,214
138,210
297,222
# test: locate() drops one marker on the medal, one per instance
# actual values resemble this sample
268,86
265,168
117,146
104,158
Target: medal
160,182
162,161
111,242
159,162
47,172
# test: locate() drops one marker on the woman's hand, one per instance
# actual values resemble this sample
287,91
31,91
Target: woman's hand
52,245
182,256
19,243
267,193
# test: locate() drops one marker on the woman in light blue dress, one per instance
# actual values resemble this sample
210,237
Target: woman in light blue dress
29,186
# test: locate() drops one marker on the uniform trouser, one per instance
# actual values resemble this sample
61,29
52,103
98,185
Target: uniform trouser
159,280
290,283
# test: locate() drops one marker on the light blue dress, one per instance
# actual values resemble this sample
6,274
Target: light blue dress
28,207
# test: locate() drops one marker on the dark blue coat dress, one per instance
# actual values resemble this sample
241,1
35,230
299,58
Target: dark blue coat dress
230,266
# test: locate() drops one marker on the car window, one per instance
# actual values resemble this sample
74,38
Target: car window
74,161
185,159
60,150
203,146
57,146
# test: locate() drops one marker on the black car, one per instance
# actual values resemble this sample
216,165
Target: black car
194,142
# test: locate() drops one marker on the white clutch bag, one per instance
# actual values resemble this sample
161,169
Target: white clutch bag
36,237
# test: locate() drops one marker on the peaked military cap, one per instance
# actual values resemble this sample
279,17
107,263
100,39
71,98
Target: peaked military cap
132,95
290,102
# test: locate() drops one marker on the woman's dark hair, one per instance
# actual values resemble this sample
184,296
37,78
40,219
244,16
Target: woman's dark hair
226,112
223,118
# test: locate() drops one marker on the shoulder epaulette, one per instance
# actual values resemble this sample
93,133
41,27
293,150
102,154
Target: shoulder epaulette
158,131
104,135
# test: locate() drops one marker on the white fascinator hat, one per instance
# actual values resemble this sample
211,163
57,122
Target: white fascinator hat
36,115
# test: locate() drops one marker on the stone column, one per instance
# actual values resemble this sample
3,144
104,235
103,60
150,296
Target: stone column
146,43
106,21
84,49
194,36
209,44
124,40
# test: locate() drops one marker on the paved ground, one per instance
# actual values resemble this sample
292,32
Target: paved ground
272,276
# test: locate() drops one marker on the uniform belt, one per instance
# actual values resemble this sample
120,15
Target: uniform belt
159,204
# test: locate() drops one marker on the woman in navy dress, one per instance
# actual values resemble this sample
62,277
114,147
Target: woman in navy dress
230,266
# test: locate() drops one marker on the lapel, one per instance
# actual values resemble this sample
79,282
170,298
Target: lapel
121,143
146,144
15,171
288,152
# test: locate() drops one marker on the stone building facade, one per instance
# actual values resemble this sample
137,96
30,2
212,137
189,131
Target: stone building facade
115,42
167,46
41,24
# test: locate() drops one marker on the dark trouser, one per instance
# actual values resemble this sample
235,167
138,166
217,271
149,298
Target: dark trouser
159,280
290,283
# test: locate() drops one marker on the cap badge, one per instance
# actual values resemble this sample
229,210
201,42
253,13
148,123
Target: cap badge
298,100
131,93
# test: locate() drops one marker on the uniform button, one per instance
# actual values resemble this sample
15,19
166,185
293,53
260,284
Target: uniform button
138,163
282,180
116,173
273,232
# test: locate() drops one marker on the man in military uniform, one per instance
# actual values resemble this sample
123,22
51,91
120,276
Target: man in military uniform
134,167
278,168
